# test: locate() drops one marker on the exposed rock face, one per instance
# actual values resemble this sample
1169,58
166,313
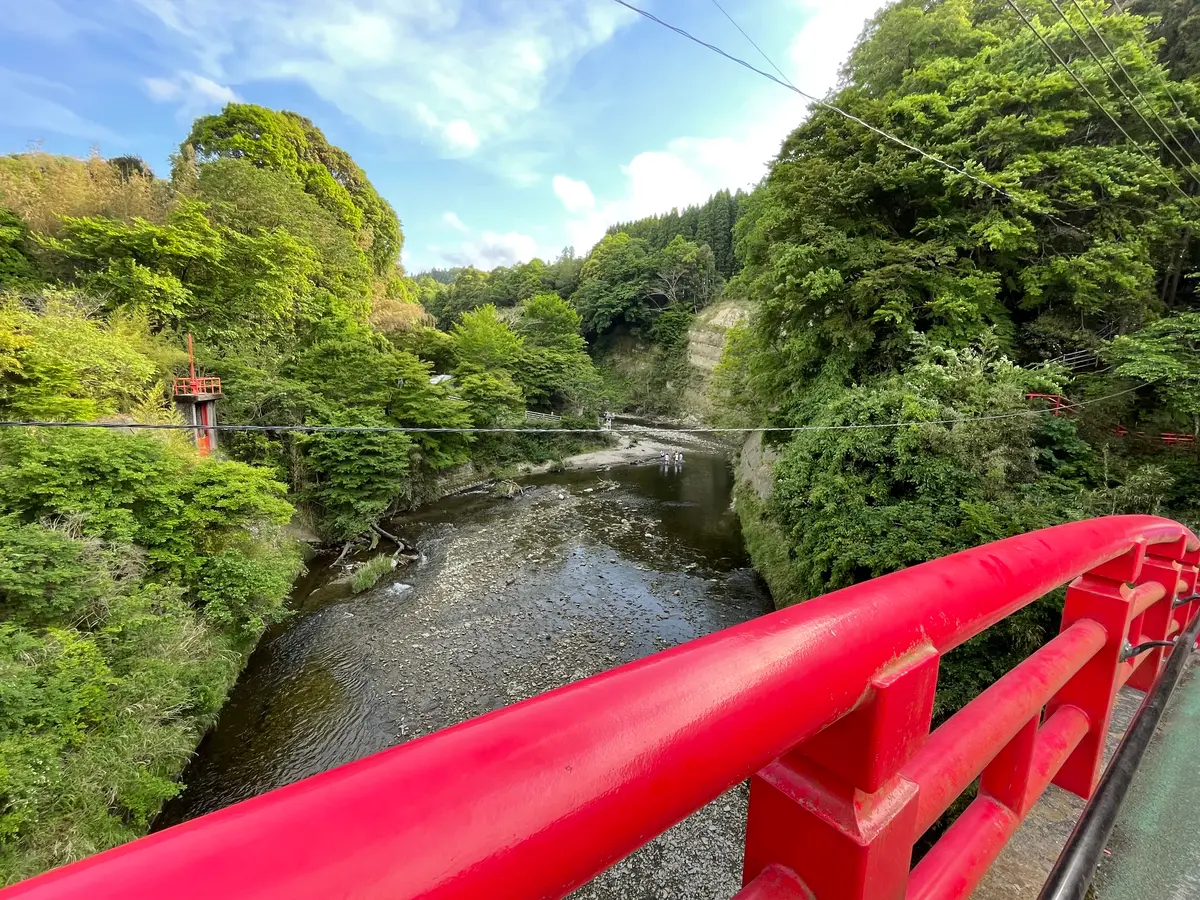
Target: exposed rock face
706,339
706,343
756,463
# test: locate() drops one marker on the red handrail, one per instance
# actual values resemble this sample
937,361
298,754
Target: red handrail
832,697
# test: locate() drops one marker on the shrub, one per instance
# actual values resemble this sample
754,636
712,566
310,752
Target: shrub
369,573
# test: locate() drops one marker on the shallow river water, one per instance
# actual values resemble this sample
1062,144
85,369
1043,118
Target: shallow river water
582,572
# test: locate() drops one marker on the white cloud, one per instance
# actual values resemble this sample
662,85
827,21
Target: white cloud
576,196
194,93
467,74
491,249
690,169
461,136
451,218
817,52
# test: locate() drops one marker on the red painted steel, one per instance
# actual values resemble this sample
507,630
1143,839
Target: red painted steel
959,749
828,701
775,883
195,386
1058,401
1178,440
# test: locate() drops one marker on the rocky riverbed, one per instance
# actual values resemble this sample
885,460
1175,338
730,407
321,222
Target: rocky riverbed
581,572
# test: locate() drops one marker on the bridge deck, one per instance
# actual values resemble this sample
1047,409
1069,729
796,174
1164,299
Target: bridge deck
1155,846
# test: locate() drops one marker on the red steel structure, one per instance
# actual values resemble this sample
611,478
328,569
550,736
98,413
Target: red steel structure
196,399
192,386
1060,403
825,706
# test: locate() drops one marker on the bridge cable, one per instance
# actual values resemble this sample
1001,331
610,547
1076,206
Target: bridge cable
853,118
1120,90
1098,104
1157,68
416,429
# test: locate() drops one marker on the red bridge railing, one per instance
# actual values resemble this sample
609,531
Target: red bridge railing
826,706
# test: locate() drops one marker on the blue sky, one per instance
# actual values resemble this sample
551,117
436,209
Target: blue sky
498,129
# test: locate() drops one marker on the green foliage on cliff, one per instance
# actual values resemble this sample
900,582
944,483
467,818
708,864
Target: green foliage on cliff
889,289
290,144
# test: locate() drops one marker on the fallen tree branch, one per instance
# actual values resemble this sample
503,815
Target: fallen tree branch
399,542
345,550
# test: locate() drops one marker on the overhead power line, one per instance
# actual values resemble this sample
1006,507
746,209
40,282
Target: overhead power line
416,429
1162,78
1120,90
1100,106
1136,87
849,116
753,43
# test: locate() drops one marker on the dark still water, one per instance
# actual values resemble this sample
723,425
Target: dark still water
584,571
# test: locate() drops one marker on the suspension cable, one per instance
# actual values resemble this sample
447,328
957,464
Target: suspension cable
1137,88
1157,68
417,429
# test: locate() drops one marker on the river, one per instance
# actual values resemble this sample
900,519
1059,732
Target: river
582,572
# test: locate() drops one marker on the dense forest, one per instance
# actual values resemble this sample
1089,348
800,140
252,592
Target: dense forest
885,287
889,288
135,576
638,290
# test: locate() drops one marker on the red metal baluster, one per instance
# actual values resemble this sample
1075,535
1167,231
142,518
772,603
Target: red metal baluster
1102,594
1155,623
836,811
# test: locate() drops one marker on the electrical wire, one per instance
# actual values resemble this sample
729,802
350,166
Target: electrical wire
406,429
1161,77
849,116
1137,88
1116,84
753,43
1099,105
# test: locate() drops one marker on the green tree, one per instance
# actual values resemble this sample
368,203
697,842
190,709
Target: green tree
614,283
853,242
63,365
563,273
512,285
549,322
556,371
484,343
355,478
258,201
685,274
1166,355
495,398
471,289
15,262
291,144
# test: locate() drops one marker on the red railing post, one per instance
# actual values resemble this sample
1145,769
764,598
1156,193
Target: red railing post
1155,623
835,810
1006,777
1103,595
